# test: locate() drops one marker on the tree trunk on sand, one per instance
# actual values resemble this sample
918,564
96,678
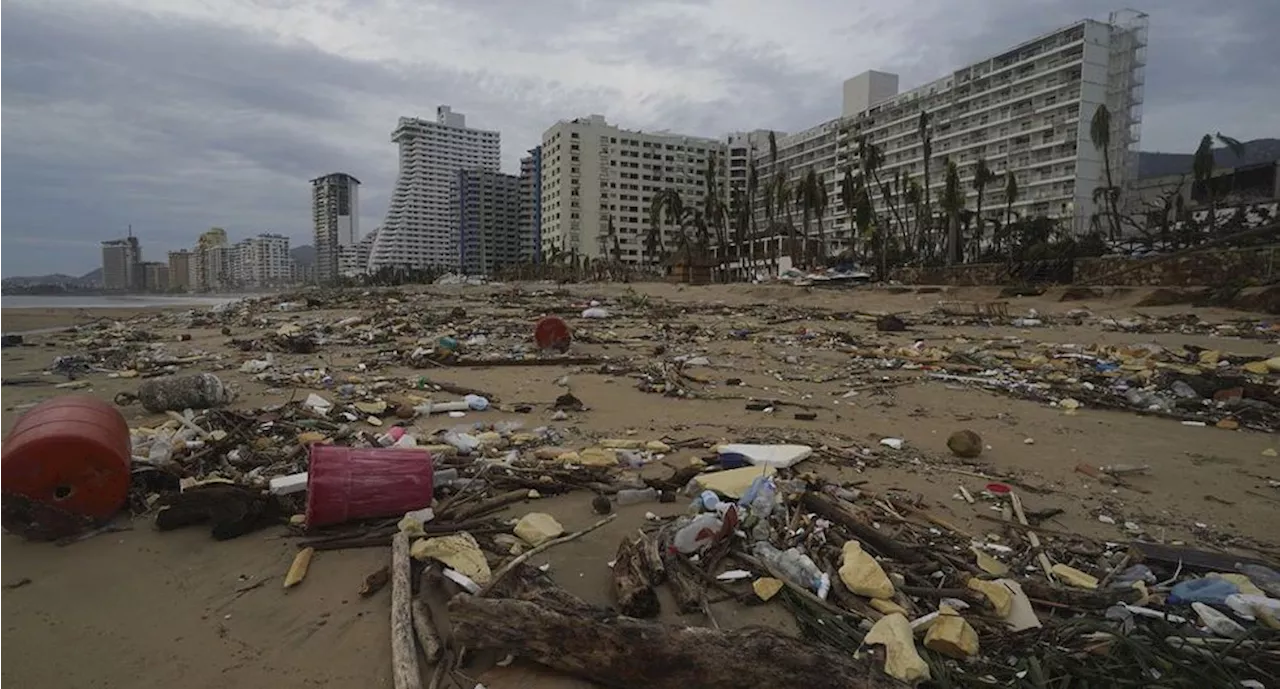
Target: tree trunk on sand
631,585
624,652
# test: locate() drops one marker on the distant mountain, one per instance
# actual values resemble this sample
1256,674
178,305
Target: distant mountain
305,255
1256,152
92,278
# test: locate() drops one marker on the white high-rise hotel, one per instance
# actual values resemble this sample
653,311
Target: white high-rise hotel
1026,111
594,172
420,230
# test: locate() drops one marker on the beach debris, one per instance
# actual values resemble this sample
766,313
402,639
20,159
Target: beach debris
298,569
536,528
965,443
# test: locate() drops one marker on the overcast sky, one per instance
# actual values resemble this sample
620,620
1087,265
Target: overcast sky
178,115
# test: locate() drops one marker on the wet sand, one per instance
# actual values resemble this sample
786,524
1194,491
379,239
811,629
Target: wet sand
146,609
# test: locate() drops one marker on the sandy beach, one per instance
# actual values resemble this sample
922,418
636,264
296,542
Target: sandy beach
145,609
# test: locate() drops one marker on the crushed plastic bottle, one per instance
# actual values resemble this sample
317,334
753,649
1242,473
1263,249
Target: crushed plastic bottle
161,451
698,534
635,497
1210,590
1263,577
1128,577
1218,623
760,497
707,501
1181,389
795,566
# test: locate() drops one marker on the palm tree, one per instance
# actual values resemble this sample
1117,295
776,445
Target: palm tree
805,197
982,176
1100,135
820,202
1202,169
848,197
926,152
715,213
1010,197
665,203
952,204
753,187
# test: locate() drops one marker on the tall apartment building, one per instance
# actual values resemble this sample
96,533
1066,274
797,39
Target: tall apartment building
1026,111
487,207
420,230
156,276
122,265
211,261
180,270
335,213
595,173
531,206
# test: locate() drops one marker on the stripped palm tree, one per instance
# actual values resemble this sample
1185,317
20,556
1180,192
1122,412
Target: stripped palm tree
1202,165
982,176
926,153
952,205
1010,197
753,188
1100,136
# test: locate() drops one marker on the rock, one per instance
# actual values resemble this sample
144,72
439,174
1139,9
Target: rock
965,444
536,528
405,411
902,661
766,587
600,505
890,324
862,574
951,635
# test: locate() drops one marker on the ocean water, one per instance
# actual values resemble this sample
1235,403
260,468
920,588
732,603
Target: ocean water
96,301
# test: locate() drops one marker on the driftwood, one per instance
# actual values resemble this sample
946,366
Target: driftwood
404,653
631,585
457,389
625,652
830,507
684,583
468,511
652,559
425,629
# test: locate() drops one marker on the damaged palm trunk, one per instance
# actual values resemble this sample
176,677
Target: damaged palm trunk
625,652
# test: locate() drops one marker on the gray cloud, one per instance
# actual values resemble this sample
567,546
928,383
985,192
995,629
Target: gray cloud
178,115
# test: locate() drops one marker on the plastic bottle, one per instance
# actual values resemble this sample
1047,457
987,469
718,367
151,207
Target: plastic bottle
175,393
1218,623
759,498
794,566
1263,577
1207,590
1181,389
707,501
698,534
632,496
444,477
1128,577
161,451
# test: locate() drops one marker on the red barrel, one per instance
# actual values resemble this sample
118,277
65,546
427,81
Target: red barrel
346,483
70,453
552,333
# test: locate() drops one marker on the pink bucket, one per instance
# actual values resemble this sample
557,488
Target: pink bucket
345,484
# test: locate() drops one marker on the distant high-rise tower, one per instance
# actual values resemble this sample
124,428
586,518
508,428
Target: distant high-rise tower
121,264
531,206
335,208
420,229
487,207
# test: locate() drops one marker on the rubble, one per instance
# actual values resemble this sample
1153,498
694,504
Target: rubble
881,581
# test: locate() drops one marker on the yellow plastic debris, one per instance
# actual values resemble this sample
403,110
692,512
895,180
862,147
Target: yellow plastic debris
1259,367
902,661
1073,577
989,564
598,457
996,593
1209,357
657,446
951,635
1273,364
311,437
734,482
298,570
887,606
536,528
371,408
457,551
766,587
622,443
861,573
1241,581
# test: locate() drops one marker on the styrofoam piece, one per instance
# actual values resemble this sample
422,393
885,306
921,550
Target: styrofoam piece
288,485
776,456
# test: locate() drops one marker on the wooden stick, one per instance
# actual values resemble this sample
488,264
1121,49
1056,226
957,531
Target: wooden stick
506,569
1031,535
463,512
425,629
457,389
404,655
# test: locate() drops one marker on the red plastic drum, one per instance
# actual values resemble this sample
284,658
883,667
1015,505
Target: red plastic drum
70,453
552,333
345,483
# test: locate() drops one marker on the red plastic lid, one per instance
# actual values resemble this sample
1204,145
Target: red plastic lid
998,488
552,333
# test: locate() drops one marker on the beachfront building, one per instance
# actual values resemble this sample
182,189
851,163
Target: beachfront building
420,230
121,264
597,176
531,206
335,215
1025,112
486,205
353,261
155,276
180,270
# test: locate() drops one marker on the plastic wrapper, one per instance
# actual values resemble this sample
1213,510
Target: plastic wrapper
345,484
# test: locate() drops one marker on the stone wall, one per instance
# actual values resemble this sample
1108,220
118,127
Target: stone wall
1201,268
